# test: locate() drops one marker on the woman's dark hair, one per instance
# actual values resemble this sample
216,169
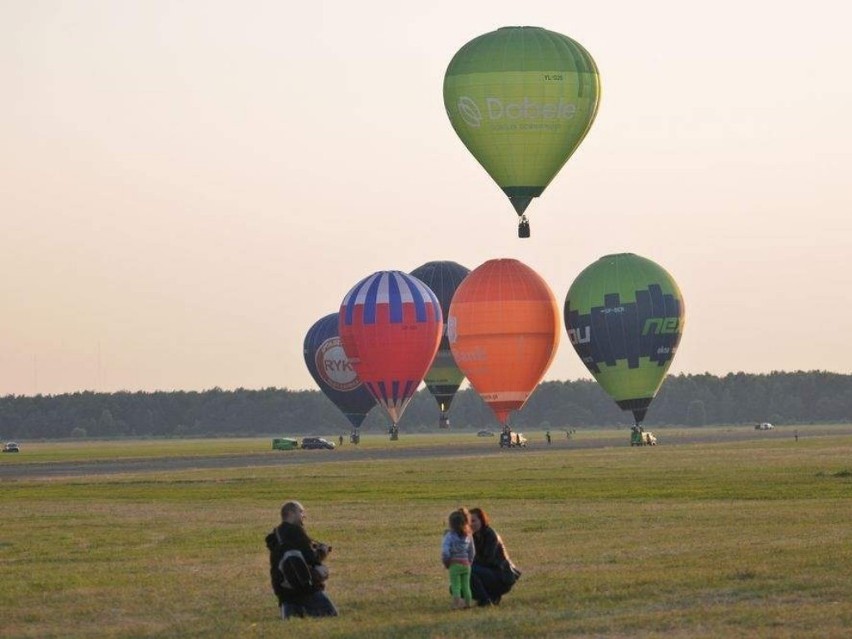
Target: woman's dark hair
483,516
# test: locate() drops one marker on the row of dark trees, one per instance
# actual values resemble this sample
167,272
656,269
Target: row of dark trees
690,400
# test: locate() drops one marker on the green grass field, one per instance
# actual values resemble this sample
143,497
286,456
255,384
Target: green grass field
739,539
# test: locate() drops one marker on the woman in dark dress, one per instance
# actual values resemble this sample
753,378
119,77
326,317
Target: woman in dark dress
492,573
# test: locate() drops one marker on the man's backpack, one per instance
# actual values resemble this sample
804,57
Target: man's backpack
294,570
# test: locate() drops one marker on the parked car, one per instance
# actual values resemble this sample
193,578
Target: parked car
316,442
763,426
485,433
11,447
285,443
512,440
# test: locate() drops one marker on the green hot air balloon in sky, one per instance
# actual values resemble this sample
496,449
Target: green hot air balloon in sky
522,99
625,316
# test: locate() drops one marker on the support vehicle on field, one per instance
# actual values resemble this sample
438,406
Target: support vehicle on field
508,439
285,443
641,437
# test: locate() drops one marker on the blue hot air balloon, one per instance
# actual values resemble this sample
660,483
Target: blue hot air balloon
444,377
334,374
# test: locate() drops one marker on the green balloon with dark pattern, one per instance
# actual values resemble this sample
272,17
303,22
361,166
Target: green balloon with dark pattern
625,316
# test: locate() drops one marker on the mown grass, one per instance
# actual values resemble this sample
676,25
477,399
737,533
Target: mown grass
726,540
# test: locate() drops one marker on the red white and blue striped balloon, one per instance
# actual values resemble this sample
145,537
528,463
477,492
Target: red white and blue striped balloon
390,324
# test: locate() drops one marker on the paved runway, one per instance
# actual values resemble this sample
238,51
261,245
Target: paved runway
46,470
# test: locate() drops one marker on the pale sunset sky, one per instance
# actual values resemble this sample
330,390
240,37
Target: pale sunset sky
187,186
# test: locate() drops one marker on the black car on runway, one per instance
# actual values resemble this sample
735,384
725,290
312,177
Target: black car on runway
316,442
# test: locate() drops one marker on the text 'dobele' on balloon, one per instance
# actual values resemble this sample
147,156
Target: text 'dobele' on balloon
522,99
444,377
625,316
333,372
504,330
390,324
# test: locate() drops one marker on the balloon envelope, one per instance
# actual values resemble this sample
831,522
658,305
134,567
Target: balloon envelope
390,324
625,316
444,377
333,372
522,99
503,330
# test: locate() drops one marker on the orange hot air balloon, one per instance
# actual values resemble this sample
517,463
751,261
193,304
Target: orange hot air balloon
503,328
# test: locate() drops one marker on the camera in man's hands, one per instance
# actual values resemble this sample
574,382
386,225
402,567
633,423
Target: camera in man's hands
322,550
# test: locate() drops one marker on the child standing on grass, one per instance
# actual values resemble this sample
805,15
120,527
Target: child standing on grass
457,553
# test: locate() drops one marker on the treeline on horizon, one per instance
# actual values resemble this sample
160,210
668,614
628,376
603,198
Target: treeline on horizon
684,400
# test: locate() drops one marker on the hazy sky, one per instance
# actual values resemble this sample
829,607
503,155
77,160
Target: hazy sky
186,186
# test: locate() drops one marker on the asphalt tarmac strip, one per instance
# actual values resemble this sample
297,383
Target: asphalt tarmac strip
48,470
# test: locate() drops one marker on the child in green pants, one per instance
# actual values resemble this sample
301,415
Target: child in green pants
457,553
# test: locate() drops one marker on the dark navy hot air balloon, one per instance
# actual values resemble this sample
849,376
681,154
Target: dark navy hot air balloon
333,372
444,377
390,324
